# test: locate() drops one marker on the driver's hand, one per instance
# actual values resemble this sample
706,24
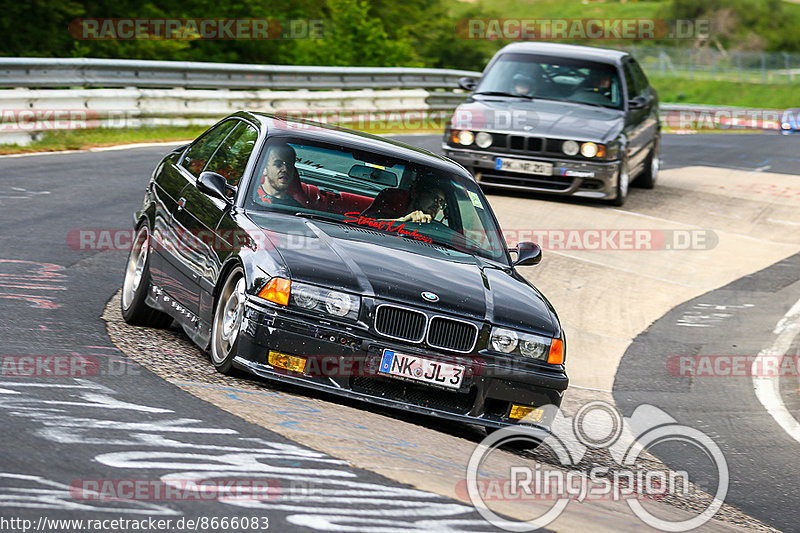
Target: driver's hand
416,216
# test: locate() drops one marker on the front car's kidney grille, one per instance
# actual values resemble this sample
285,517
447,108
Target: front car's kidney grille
452,334
400,323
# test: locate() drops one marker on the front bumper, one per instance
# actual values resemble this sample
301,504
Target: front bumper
343,360
596,179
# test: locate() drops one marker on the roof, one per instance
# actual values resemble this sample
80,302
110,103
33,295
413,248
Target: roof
588,53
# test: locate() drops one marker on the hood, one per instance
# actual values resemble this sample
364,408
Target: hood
390,268
546,118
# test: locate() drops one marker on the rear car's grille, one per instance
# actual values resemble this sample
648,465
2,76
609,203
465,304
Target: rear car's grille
421,395
400,323
501,177
452,334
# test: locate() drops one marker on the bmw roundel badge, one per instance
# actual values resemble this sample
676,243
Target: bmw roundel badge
431,297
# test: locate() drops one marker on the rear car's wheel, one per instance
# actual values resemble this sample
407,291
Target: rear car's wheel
623,182
136,284
227,320
647,179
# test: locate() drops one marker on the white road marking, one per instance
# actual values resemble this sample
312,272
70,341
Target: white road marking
766,387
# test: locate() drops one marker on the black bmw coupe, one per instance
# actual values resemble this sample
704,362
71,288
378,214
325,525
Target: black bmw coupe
349,263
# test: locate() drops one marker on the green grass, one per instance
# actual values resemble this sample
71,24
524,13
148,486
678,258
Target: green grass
729,93
81,139
558,9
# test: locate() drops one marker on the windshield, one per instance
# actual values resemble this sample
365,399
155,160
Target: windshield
389,196
553,78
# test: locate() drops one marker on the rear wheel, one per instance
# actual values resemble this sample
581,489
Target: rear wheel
647,179
227,321
136,284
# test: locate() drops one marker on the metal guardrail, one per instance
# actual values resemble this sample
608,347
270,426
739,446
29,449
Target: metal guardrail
90,73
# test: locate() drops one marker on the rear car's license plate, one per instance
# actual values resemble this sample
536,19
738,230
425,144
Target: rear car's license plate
421,369
524,166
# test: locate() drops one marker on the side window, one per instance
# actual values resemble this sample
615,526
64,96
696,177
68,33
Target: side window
641,79
231,158
198,154
630,80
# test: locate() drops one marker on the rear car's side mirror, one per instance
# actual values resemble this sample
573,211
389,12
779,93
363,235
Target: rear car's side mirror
467,83
637,102
214,185
528,254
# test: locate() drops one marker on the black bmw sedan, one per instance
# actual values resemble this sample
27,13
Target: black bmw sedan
348,263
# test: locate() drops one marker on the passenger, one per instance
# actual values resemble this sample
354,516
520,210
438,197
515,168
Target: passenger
423,203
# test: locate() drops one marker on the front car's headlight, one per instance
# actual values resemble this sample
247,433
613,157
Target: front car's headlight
527,345
313,298
590,150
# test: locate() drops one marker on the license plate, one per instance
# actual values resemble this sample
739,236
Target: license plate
524,166
421,369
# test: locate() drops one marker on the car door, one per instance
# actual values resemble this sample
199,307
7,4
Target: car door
635,117
207,247
170,260
651,125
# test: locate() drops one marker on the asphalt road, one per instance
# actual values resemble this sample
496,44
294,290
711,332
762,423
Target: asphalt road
118,421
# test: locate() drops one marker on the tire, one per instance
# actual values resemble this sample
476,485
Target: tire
228,313
623,184
647,179
136,284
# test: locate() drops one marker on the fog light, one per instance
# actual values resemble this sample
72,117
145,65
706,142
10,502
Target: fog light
287,362
521,411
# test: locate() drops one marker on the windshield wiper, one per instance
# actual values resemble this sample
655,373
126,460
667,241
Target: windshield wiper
320,216
501,93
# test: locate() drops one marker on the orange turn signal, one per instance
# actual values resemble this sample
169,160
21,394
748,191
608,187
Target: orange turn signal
276,290
556,355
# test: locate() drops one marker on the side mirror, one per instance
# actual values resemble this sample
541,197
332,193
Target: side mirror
467,83
637,102
214,185
528,254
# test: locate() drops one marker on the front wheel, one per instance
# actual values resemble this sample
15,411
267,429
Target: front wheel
647,179
227,321
134,309
623,182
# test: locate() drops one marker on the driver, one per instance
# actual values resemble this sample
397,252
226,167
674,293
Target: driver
278,175
522,85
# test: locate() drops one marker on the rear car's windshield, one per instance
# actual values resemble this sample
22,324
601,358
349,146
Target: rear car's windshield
388,195
554,78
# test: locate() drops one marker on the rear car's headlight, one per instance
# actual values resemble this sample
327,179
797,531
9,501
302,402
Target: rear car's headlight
313,298
527,345
591,149
464,137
